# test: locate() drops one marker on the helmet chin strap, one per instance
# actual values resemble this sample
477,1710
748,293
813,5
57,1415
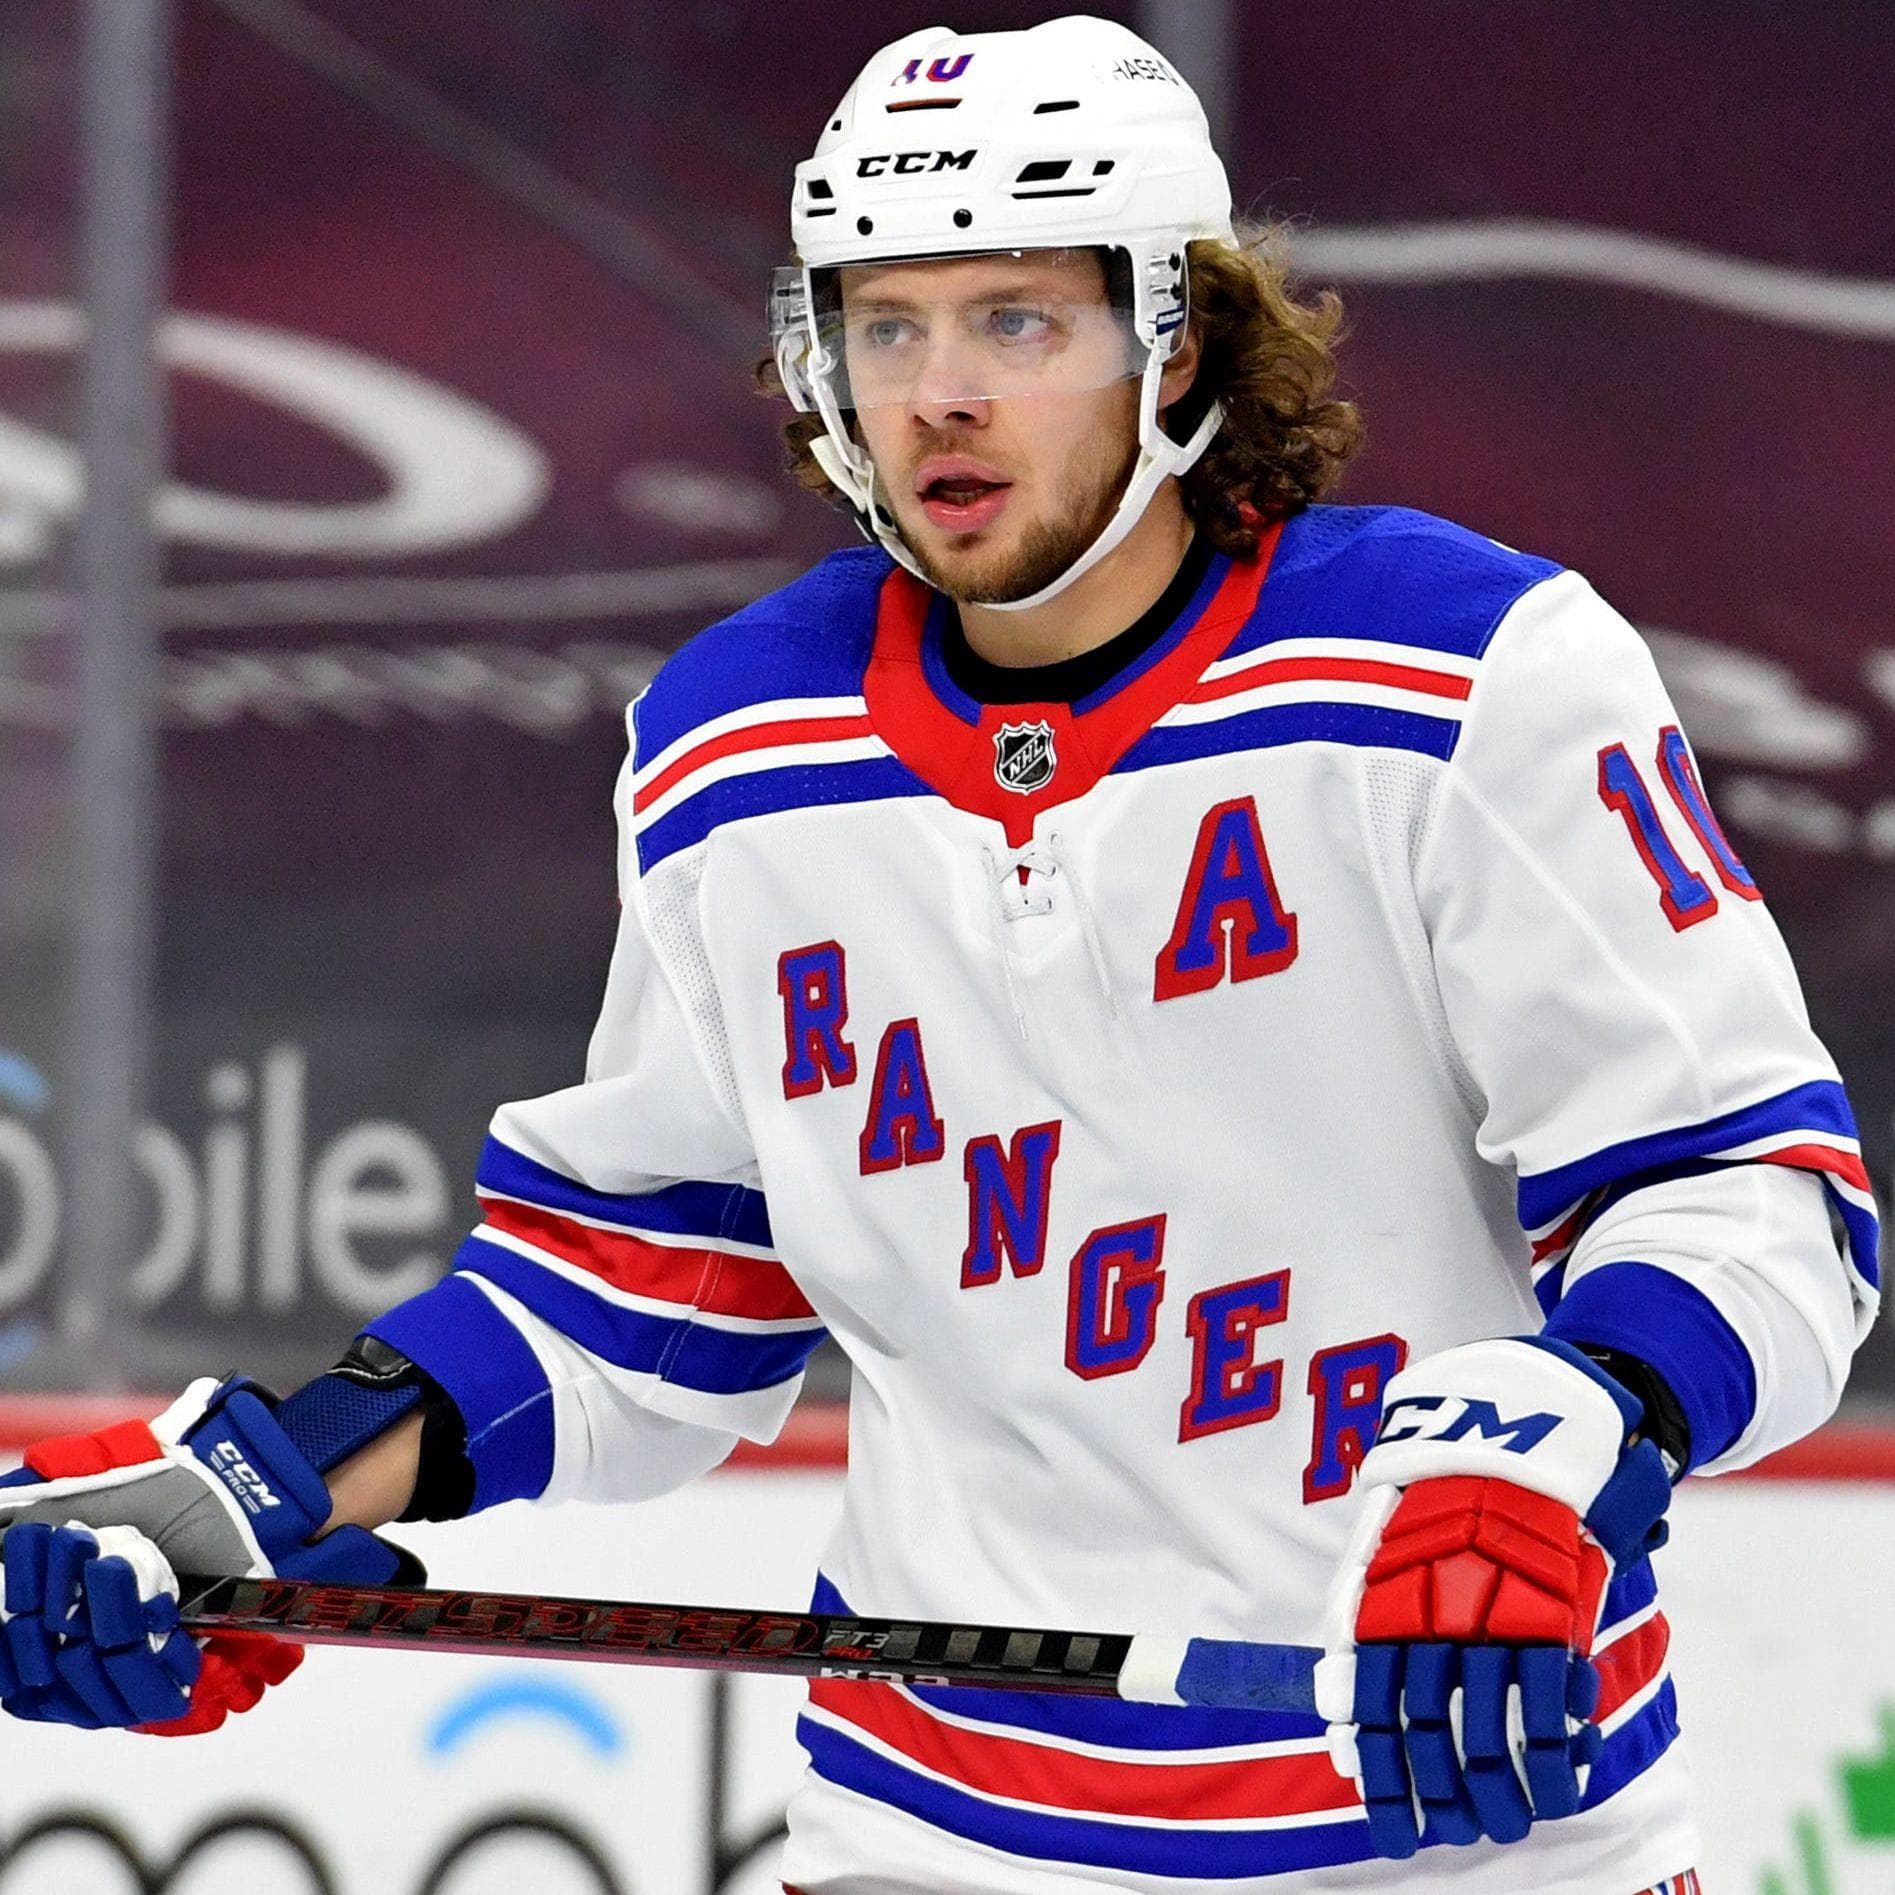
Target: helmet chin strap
1159,456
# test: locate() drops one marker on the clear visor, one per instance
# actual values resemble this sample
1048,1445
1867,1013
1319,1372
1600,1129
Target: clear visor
1001,327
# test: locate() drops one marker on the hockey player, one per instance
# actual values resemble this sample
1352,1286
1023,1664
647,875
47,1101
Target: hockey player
1168,973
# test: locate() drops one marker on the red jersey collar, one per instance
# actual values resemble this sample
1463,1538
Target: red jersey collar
1012,761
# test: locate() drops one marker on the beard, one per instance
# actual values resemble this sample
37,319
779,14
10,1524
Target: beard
1096,481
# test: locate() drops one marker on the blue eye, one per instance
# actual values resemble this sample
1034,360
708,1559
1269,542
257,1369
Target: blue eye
884,332
1019,324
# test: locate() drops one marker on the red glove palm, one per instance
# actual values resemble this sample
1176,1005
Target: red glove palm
1459,1689
1483,1562
238,1668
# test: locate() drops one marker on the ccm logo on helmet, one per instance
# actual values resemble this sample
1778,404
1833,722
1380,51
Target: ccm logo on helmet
907,163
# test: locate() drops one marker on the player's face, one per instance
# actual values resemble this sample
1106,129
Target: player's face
998,399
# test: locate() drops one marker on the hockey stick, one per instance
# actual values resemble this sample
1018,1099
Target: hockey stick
1142,1669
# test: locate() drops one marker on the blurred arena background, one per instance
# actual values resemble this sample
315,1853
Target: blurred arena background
375,414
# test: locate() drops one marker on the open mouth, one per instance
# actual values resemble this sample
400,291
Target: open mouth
962,502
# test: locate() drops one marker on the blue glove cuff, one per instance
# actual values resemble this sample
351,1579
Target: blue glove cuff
340,1412
1626,1516
1626,1519
241,1442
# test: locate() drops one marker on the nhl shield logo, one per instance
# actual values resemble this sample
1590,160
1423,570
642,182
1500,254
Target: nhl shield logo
1024,759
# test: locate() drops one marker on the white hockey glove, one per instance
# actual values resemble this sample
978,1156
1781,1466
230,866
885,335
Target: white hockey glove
1502,1491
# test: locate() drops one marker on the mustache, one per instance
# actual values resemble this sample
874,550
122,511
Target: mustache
948,451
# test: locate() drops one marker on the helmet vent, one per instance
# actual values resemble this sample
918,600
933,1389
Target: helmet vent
1043,177
1046,173
1056,105
922,105
820,187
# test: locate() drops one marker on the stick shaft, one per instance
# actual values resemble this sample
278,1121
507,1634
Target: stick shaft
638,1632
713,1638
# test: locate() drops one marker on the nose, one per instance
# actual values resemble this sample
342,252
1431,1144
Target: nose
961,411
937,398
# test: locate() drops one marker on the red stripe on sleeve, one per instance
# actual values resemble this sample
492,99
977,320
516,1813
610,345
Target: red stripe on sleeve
796,730
1057,1779
1842,1164
1627,1667
1563,1238
1337,671
697,1277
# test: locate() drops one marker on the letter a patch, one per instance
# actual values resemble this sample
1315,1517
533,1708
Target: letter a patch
1231,920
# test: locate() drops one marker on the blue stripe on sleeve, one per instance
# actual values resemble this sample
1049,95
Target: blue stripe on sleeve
1820,1106
1368,726
690,1209
1632,1589
493,1377
809,639
1865,1238
768,792
1131,1848
1634,1747
1550,1287
681,1351
1655,1315
1142,1849
1136,1848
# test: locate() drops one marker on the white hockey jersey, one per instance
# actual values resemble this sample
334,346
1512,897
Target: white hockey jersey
1131,1087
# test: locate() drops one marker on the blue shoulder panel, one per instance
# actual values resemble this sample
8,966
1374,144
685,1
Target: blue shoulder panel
811,638
1389,573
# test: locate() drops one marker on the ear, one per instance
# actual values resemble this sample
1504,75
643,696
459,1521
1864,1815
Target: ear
1182,370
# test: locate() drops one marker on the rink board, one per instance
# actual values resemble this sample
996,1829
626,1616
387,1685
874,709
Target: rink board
383,1771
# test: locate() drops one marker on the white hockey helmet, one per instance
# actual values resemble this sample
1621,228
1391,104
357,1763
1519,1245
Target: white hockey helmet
1072,134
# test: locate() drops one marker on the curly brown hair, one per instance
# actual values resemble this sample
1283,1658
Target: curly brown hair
1267,357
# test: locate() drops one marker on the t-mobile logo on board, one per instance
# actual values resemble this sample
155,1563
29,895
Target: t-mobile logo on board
247,1208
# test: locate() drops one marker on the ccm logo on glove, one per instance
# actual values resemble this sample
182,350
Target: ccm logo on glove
1457,1682
240,1477
95,1529
1452,1417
